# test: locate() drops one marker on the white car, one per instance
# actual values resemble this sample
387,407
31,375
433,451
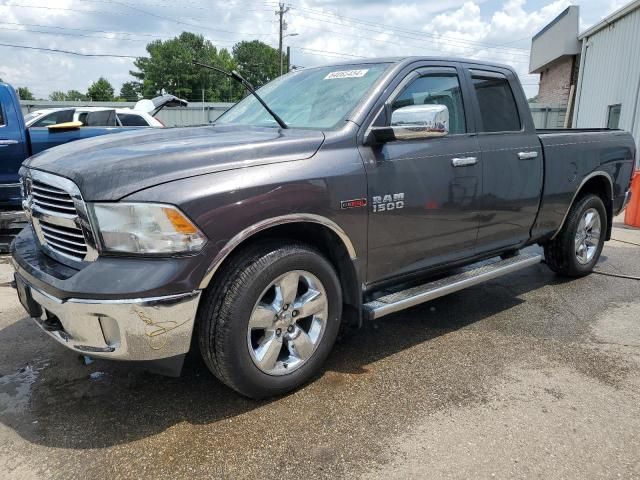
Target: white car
141,115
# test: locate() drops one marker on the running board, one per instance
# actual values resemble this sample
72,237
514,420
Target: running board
395,302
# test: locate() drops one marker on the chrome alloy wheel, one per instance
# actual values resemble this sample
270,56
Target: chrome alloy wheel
287,322
588,236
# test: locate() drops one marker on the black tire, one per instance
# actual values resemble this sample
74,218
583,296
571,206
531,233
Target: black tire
560,253
223,316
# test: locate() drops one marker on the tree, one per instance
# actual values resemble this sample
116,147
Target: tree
25,94
169,67
57,96
257,61
100,91
70,96
75,96
130,91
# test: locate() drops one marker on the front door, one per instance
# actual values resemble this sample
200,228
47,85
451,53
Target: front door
424,194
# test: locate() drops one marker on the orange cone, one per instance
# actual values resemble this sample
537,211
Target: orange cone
632,214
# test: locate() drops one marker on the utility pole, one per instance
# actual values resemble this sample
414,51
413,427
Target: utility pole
283,26
288,59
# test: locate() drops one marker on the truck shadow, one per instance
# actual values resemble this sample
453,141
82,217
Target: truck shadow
72,406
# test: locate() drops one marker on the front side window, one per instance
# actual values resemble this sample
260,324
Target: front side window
436,89
61,116
498,108
613,117
317,98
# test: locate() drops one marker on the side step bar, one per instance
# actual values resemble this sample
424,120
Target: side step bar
394,302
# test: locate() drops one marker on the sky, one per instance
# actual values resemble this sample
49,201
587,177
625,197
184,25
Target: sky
325,31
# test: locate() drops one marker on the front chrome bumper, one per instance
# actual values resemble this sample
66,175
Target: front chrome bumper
144,329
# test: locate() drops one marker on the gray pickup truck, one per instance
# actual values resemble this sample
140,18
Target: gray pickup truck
370,187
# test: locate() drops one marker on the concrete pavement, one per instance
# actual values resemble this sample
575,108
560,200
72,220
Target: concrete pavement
527,376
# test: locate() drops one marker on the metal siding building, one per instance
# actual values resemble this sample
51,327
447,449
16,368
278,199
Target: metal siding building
609,80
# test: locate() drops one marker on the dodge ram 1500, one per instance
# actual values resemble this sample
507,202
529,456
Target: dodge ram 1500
368,188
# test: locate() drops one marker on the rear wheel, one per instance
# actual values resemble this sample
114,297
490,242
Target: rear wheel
271,319
577,248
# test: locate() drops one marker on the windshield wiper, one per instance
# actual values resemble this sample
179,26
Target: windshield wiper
239,78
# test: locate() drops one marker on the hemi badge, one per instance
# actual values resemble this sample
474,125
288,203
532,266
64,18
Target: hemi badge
357,203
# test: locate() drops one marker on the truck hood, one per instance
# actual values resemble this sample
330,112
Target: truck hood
113,166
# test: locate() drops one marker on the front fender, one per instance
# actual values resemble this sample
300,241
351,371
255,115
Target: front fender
231,206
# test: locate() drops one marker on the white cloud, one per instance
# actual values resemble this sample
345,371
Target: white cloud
477,29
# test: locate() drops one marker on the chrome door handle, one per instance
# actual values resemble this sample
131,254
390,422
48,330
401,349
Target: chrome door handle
464,161
6,143
527,155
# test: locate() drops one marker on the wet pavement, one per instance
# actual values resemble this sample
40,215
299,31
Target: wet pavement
528,375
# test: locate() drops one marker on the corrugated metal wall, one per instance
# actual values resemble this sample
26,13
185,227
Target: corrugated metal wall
611,75
196,113
548,116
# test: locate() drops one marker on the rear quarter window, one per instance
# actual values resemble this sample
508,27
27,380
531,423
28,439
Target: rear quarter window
498,108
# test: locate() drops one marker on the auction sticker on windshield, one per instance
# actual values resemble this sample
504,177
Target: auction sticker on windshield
346,74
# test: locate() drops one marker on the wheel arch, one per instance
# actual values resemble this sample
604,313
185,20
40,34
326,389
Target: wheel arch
598,183
317,231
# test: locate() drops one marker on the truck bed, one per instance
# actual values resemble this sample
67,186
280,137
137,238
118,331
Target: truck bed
572,156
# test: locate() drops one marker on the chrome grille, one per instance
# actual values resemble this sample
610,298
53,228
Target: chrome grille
69,241
58,215
52,199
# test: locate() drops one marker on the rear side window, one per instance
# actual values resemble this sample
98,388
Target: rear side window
436,89
62,116
105,118
498,108
130,120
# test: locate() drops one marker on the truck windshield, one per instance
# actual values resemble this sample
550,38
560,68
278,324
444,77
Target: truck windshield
315,98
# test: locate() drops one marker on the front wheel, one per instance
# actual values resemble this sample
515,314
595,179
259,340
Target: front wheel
271,319
577,248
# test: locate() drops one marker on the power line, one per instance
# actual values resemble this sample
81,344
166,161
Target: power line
69,52
327,52
414,33
386,42
70,34
85,30
109,12
314,52
66,34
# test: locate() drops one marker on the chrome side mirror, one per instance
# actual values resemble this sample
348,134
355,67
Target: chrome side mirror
415,122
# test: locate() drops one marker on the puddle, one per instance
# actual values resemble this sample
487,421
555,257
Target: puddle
15,389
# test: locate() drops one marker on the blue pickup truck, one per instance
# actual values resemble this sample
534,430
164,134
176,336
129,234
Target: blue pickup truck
17,143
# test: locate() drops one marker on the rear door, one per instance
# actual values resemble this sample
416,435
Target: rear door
13,148
512,162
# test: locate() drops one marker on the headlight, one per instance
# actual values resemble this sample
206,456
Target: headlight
145,228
